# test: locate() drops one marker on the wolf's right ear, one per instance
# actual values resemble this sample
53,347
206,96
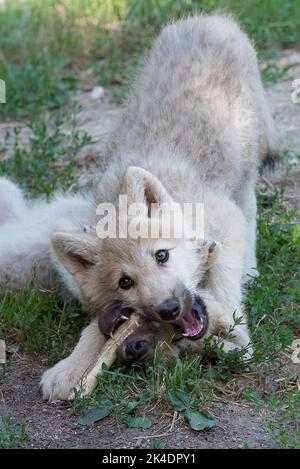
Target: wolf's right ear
76,251
141,186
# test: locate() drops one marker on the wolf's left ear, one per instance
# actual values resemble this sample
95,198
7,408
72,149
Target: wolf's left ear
140,186
76,251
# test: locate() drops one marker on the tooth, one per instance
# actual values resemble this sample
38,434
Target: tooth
185,334
124,317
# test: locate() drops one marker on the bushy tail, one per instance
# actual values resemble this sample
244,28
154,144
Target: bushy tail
271,138
271,160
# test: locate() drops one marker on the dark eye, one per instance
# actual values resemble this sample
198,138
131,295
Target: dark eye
162,256
126,283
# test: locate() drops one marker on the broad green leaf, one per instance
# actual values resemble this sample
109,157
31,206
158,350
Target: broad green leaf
139,422
131,405
95,414
179,399
144,397
157,444
199,421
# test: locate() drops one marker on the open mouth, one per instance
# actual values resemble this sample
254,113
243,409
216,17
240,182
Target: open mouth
193,324
119,319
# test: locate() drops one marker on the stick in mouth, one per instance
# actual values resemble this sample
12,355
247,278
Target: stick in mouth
108,355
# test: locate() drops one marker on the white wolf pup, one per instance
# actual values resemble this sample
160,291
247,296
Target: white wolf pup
195,128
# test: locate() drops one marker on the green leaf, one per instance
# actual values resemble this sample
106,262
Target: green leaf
179,399
95,414
200,421
157,444
139,422
143,397
131,405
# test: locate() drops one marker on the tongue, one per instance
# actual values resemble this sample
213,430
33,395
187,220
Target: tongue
189,324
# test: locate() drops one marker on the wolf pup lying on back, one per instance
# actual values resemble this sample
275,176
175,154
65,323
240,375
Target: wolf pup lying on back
195,128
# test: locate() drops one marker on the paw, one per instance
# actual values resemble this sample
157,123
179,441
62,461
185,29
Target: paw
229,346
213,253
209,252
58,382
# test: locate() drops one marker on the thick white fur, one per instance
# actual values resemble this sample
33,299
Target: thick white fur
12,205
25,235
197,120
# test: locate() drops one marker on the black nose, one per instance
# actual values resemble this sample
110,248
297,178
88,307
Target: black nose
169,309
135,349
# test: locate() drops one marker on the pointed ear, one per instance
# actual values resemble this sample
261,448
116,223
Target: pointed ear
140,186
76,251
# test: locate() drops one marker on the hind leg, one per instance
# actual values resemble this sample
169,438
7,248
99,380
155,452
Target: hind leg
12,205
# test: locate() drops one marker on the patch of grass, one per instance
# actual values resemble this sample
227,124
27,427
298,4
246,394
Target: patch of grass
47,163
284,428
271,74
281,415
133,392
11,435
273,300
273,305
247,445
33,88
40,322
119,57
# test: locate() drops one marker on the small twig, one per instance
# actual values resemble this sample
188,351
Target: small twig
278,24
240,405
2,351
173,420
266,180
261,319
161,435
107,356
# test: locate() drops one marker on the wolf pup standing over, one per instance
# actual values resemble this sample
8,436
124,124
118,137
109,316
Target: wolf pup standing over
195,128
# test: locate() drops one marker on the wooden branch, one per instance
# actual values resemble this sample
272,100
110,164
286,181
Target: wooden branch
108,355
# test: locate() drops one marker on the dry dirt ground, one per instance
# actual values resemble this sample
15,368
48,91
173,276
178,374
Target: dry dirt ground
54,426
